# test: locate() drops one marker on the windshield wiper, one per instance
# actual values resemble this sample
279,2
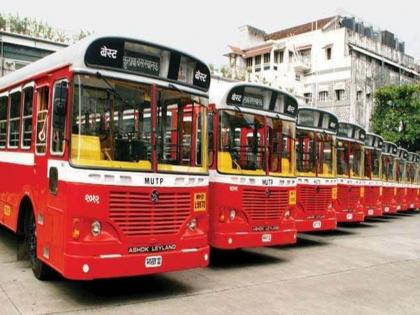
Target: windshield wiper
112,89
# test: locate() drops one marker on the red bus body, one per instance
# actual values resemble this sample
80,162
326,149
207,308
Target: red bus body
350,186
389,171
248,205
372,200
402,188
315,165
412,190
96,222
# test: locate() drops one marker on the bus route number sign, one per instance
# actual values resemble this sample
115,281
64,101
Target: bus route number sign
199,202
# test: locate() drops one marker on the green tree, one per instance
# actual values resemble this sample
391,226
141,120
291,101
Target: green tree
396,116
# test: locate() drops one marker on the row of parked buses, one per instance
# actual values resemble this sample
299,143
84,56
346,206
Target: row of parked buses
114,161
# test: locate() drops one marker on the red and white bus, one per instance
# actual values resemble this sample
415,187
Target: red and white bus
412,166
103,160
350,163
389,171
402,184
252,168
316,170
372,175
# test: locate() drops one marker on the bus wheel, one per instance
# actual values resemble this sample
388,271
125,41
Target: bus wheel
40,269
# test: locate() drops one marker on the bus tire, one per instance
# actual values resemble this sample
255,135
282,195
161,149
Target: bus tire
40,269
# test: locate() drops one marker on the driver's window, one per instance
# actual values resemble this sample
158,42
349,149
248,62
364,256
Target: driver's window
58,117
41,119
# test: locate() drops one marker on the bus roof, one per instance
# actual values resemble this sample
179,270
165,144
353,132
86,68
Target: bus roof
352,132
390,148
414,157
374,141
252,96
317,119
124,55
402,153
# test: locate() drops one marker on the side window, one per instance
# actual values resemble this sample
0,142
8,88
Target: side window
14,119
58,118
3,121
41,120
27,117
211,137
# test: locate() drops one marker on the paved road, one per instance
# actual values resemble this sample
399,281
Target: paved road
373,268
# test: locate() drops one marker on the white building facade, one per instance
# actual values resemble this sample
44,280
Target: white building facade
334,64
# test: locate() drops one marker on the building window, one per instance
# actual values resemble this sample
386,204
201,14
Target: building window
368,97
308,97
359,96
266,58
278,56
290,55
328,53
340,94
323,96
249,62
257,60
14,119
297,77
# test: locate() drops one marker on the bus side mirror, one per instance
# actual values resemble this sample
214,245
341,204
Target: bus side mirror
60,105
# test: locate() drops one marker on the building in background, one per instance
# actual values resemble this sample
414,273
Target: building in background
17,50
335,63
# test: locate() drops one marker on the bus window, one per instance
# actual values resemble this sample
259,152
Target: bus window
111,124
355,159
324,145
3,121
58,117
342,159
210,128
305,149
14,120
241,143
179,127
27,117
41,120
281,146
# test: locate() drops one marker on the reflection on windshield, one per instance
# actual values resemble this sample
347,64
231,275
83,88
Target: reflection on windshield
112,126
241,142
314,153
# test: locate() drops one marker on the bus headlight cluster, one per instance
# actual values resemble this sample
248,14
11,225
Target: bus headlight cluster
95,228
192,225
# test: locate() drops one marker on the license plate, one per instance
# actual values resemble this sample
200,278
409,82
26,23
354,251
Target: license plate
153,261
316,224
386,209
370,212
349,216
266,238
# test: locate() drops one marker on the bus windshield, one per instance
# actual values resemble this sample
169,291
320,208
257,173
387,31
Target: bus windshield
112,126
281,147
401,171
314,153
372,163
411,173
388,167
355,160
241,148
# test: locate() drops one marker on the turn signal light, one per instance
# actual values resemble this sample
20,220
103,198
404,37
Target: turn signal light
75,233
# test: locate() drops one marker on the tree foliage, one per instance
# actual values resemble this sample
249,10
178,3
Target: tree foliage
33,27
396,116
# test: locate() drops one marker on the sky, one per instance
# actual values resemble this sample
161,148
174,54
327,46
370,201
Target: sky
205,28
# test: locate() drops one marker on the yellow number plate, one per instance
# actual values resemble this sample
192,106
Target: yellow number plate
199,202
292,197
334,193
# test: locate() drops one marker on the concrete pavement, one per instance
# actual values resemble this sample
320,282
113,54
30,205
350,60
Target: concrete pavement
371,268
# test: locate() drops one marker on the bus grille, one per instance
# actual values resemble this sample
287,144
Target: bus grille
371,196
137,215
348,196
261,207
314,199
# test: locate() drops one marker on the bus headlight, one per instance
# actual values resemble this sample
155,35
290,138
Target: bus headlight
95,228
192,225
232,214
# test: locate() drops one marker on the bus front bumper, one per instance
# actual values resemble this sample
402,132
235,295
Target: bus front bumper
350,216
115,265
